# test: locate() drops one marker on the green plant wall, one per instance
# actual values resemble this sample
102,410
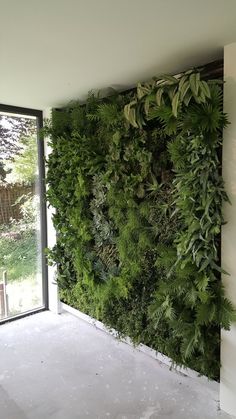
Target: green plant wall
135,179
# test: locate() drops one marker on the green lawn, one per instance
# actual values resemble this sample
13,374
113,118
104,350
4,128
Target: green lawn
18,253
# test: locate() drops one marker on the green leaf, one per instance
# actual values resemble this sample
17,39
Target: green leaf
189,72
146,105
226,313
159,94
167,77
116,137
175,104
171,91
126,111
194,83
206,313
219,269
183,90
188,96
182,80
132,117
142,91
205,88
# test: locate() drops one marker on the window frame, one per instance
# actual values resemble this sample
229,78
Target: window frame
16,110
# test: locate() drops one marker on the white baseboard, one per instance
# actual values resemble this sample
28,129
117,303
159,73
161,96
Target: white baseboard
141,348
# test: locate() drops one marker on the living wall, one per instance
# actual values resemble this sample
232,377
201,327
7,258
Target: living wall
135,179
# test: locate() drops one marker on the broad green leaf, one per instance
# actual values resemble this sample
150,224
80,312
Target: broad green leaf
116,137
146,105
126,111
171,92
189,72
132,118
182,81
167,77
142,91
159,94
205,88
201,97
139,115
175,104
204,265
188,97
183,90
194,83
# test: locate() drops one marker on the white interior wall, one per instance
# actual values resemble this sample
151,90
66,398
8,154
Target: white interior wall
228,346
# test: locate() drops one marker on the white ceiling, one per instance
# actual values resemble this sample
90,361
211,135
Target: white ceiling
52,51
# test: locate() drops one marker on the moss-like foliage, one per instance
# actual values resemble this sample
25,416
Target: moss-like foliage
136,183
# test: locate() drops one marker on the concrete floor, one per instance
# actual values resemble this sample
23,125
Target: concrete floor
59,367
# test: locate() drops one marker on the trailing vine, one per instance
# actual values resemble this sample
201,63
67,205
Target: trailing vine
136,182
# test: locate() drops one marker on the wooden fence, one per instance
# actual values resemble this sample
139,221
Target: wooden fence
8,197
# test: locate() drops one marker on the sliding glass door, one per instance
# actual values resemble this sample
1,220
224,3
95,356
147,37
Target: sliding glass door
23,273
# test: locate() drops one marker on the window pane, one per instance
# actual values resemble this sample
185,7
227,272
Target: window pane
20,235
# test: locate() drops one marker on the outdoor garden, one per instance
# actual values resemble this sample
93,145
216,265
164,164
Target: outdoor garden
19,224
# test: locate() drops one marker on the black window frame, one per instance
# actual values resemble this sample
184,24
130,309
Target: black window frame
16,110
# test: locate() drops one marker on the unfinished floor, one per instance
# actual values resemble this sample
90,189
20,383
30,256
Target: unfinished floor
60,367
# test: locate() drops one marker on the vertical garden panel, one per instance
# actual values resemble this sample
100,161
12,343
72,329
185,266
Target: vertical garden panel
135,179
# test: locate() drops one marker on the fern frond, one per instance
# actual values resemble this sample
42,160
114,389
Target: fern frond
227,313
